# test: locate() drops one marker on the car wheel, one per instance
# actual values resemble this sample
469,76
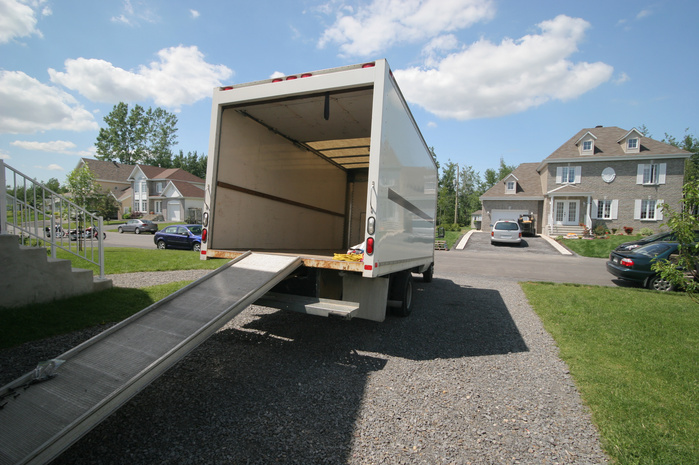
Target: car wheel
658,283
121,231
196,247
137,231
402,290
162,245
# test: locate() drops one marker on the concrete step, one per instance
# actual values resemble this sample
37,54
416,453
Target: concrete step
31,276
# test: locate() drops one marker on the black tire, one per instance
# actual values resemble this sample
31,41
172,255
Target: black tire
657,283
427,275
137,231
402,290
161,244
104,236
196,247
121,231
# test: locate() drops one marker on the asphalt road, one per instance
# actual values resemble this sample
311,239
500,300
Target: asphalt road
535,260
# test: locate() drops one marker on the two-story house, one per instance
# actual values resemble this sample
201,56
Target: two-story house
602,175
171,192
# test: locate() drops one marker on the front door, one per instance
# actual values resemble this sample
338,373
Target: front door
566,212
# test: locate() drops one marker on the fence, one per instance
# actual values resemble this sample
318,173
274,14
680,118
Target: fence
44,218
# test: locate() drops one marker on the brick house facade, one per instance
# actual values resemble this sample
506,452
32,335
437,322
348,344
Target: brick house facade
601,176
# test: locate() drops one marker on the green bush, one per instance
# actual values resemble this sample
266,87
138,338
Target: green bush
127,216
646,231
600,230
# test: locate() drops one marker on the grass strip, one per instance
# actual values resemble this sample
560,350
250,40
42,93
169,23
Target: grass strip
634,355
597,248
39,321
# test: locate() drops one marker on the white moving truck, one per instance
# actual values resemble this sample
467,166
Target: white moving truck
313,164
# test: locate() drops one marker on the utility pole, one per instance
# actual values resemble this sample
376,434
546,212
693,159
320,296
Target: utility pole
456,198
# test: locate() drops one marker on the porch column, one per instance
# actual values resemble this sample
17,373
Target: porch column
588,216
550,215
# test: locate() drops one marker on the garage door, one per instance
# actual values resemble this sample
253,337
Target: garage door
173,211
496,215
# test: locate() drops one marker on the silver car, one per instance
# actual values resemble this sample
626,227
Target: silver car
506,231
139,226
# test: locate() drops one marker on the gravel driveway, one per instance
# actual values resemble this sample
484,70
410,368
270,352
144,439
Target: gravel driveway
470,377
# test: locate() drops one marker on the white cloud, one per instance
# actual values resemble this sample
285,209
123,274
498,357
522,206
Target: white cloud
490,80
133,15
195,14
643,13
28,106
4,155
383,23
51,167
18,19
277,74
179,77
623,77
60,146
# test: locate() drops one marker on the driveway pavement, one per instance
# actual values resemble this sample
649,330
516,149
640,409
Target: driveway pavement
142,241
536,260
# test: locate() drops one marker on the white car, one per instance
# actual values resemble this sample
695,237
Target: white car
506,231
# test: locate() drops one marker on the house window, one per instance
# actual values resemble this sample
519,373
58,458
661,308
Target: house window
650,174
144,187
158,206
604,209
647,209
144,205
510,187
568,174
587,145
632,144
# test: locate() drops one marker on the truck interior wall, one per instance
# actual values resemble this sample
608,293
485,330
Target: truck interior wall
256,159
357,187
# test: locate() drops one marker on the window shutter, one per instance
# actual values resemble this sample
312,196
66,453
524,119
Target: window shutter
659,209
578,174
639,175
662,168
637,209
559,175
615,209
595,206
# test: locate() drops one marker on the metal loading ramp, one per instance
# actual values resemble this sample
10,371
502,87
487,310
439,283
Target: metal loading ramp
40,421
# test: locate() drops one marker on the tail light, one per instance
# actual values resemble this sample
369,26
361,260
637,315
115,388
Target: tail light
626,262
203,235
492,233
369,246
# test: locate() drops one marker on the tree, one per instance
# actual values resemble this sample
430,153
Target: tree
81,184
192,163
690,144
684,273
137,136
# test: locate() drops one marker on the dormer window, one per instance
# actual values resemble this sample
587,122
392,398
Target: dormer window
587,146
631,142
510,187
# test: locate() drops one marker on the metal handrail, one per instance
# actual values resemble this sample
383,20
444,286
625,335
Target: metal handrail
37,215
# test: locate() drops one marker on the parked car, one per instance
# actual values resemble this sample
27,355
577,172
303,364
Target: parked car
635,265
90,232
180,236
667,236
138,226
506,231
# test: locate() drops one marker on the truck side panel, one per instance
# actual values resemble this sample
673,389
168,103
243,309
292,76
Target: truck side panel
402,186
271,194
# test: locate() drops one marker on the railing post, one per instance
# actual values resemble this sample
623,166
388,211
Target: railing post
3,199
100,234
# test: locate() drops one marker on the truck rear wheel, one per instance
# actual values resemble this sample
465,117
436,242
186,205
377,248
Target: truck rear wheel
402,291
428,273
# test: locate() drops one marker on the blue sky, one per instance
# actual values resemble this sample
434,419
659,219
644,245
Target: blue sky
485,79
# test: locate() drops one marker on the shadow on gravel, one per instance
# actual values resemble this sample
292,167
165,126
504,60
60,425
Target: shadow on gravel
288,388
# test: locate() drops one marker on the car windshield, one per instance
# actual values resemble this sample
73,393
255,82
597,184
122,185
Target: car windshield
195,230
652,250
507,226
147,221
654,237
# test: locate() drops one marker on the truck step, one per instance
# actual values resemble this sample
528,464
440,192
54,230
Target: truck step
309,305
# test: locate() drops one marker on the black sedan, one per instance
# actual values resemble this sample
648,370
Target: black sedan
667,236
635,265
179,236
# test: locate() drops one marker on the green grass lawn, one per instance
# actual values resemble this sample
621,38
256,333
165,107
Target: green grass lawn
129,260
598,248
39,321
634,355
